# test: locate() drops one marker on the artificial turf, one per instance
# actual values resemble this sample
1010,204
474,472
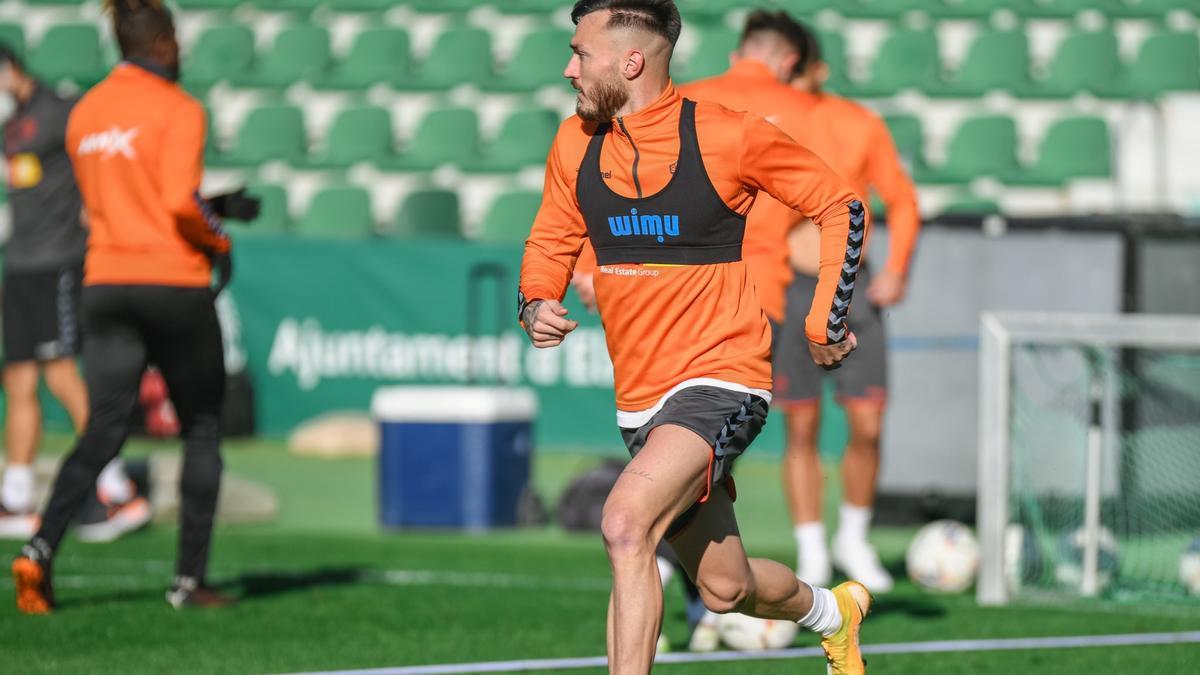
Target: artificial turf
323,588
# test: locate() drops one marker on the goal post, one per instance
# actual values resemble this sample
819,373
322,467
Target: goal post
1098,360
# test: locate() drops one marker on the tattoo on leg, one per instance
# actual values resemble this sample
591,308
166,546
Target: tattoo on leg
640,474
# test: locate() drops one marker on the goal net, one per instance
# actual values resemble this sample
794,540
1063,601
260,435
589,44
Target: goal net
1089,477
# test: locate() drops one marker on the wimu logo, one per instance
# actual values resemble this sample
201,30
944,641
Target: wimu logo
634,225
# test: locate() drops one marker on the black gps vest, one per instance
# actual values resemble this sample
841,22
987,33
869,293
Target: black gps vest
686,223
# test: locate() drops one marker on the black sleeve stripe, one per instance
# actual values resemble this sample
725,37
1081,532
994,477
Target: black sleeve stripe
836,328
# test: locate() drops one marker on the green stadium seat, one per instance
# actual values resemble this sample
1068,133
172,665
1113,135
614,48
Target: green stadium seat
273,214
510,216
366,5
446,136
711,57
459,56
524,140
539,61
1165,62
1085,61
883,9
220,53
342,212
530,6
70,51
967,203
299,52
429,213
210,4
996,60
1154,9
909,139
1073,147
804,8
362,134
377,55
907,59
269,133
705,10
1063,9
982,146
54,2
443,6
974,9
299,6
12,35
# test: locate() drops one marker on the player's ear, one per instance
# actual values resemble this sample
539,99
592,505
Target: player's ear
787,65
634,64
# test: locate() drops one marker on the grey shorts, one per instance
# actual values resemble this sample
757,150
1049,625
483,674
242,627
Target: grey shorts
728,420
862,376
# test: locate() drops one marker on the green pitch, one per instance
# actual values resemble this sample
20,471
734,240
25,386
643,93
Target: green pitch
322,588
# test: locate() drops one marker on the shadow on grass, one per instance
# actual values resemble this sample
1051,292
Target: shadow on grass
265,584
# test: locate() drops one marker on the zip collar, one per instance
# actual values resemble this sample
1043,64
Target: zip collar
663,113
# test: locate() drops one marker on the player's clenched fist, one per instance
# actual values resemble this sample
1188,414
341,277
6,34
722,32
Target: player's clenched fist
830,356
546,323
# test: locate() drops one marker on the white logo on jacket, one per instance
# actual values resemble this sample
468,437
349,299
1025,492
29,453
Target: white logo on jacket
109,143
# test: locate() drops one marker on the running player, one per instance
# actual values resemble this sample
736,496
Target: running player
757,82
136,141
43,278
660,186
857,144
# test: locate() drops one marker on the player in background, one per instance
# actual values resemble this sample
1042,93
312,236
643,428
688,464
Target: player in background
136,142
857,144
660,186
43,279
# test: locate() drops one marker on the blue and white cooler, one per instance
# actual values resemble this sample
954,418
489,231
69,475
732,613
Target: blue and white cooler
453,457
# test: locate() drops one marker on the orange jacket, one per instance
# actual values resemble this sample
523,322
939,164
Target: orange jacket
749,85
136,141
858,145
666,325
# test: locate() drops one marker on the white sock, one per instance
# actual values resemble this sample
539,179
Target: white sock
17,492
810,541
824,617
114,484
853,522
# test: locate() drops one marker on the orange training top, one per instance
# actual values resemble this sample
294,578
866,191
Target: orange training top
667,325
858,145
749,85
136,141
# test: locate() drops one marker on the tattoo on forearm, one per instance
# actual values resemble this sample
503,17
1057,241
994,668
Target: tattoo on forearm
640,474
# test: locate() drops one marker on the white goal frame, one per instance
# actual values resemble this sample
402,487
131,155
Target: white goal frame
1000,332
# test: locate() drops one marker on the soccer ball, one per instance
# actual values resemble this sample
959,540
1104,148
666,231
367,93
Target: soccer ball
943,557
748,634
1069,571
1189,567
1023,560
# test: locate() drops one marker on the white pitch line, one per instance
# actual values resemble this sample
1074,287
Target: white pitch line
940,646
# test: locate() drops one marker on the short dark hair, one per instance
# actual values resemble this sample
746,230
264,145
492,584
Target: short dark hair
660,17
781,24
810,52
138,23
9,56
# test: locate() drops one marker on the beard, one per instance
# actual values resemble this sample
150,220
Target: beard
602,101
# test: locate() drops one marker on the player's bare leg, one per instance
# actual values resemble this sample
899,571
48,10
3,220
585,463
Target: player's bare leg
860,470
665,478
803,484
24,419
23,431
64,382
711,551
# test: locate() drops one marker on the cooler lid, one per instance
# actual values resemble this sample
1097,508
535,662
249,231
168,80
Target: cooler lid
454,404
